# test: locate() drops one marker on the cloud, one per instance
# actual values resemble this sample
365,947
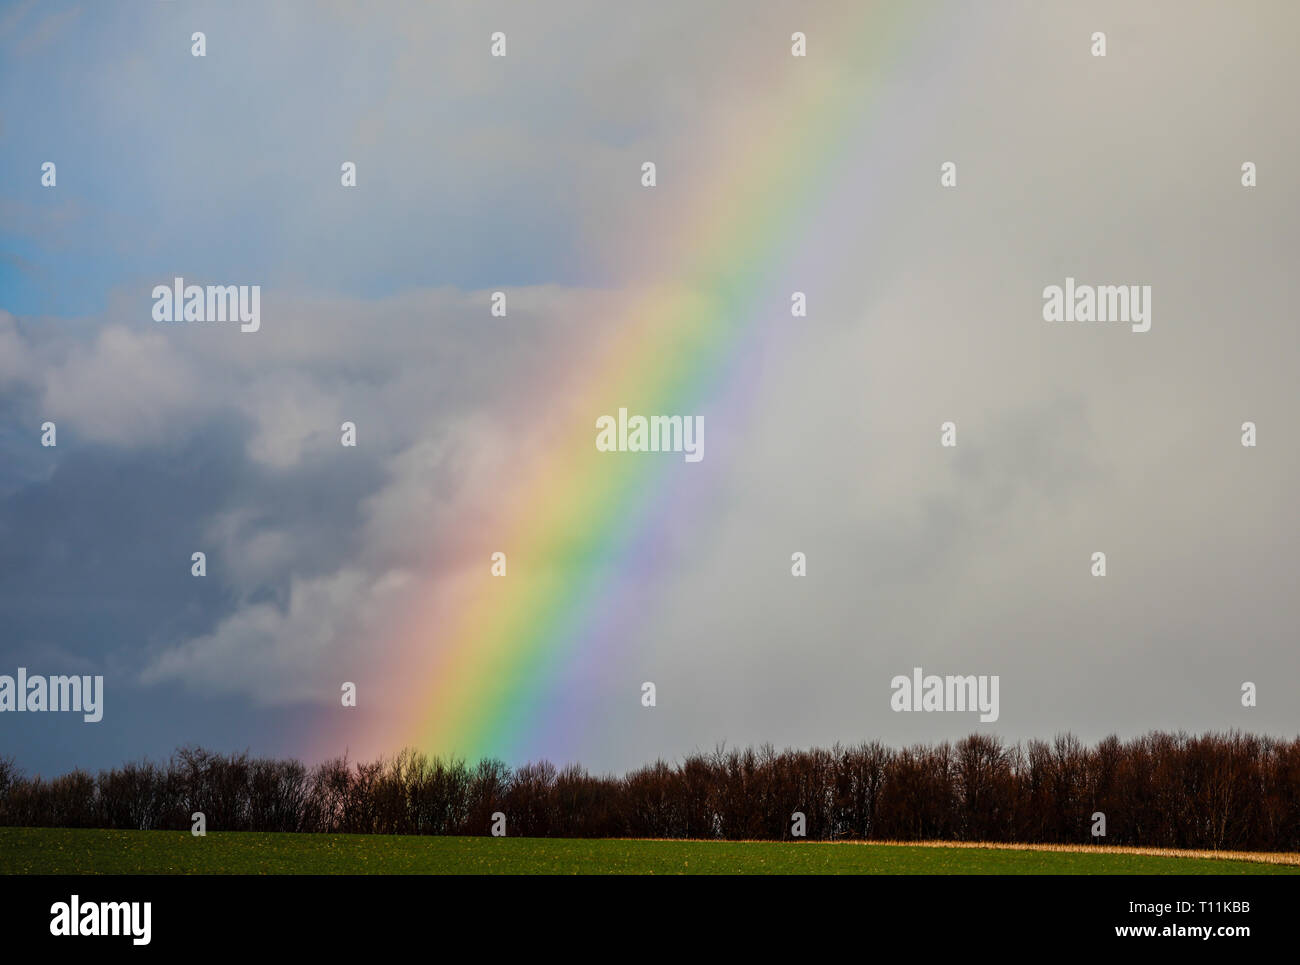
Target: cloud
823,432
293,654
396,366
124,389
16,362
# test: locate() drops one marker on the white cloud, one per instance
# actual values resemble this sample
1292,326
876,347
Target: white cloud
124,389
299,653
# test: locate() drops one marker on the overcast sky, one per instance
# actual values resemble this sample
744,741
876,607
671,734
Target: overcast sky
925,306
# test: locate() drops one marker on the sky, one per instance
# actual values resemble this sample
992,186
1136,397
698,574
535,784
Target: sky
523,174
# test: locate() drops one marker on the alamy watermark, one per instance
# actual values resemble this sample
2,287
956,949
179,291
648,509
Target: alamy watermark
952,693
83,695
658,433
1100,303
75,917
180,302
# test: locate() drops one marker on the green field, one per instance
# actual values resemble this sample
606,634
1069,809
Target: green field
78,851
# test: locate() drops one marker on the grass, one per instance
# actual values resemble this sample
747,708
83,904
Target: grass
87,851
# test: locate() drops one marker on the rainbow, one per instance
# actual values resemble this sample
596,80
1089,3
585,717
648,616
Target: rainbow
476,665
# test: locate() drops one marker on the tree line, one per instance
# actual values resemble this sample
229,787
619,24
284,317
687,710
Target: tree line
1214,791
